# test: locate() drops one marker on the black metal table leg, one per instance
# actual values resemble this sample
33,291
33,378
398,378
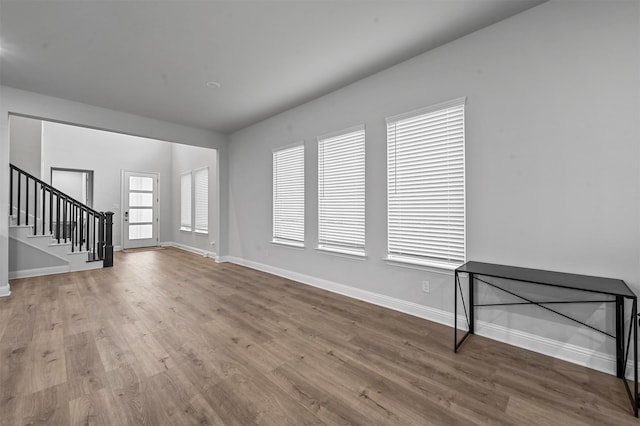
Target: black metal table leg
634,316
471,304
455,311
620,367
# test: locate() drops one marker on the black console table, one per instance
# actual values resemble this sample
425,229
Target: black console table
616,292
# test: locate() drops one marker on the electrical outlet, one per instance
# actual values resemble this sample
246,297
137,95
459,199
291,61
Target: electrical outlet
425,286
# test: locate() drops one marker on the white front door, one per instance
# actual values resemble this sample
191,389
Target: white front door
140,212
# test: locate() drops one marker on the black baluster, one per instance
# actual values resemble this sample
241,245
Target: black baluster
44,205
71,222
51,212
75,222
94,242
80,233
19,187
101,236
11,192
26,197
88,235
64,219
58,217
35,207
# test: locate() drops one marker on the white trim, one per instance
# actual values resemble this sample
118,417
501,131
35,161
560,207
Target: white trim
441,267
426,110
346,253
125,203
298,245
575,354
197,230
37,272
5,290
291,145
352,129
201,252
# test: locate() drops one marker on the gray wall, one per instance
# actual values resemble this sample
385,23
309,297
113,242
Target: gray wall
107,154
552,131
184,159
26,135
23,257
13,101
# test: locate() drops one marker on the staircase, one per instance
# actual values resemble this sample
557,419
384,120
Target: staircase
50,232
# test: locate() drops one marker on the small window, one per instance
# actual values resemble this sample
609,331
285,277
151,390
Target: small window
341,192
201,202
288,196
426,187
185,201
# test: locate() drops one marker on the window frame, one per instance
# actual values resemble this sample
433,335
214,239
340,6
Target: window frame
195,226
355,248
184,226
426,261
276,236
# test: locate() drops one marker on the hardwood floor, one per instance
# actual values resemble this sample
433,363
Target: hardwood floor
170,338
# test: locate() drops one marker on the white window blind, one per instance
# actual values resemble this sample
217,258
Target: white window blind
426,189
185,201
201,202
341,195
288,196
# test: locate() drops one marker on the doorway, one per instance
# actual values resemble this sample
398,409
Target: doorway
140,209
76,183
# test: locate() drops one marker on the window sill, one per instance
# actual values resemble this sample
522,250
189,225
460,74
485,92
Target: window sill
288,244
349,254
200,232
432,266
185,229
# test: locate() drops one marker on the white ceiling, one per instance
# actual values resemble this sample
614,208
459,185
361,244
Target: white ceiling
154,58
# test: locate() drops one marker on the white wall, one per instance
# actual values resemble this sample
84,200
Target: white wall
13,101
107,154
23,257
552,131
26,136
72,183
185,159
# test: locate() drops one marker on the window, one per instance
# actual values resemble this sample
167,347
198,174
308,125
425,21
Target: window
201,202
425,186
288,196
194,200
341,197
185,201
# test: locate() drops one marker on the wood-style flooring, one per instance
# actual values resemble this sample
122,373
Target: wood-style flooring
167,337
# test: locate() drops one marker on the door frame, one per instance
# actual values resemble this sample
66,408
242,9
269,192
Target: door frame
89,181
123,203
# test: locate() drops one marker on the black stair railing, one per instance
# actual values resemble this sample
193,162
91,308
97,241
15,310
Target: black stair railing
52,212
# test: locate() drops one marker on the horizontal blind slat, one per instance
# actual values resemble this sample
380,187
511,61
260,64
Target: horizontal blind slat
288,194
341,186
425,185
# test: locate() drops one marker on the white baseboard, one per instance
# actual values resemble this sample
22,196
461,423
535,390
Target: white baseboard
575,354
37,272
5,290
184,247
